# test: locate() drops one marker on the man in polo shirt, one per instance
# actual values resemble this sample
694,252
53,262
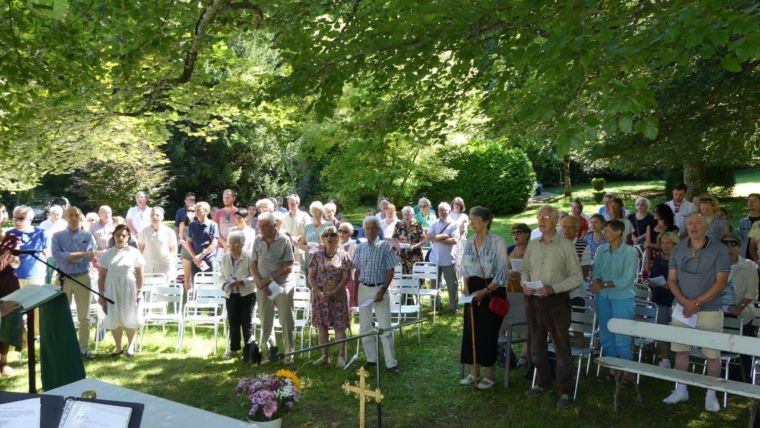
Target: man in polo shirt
139,215
698,274
272,261
552,260
74,249
374,261
444,234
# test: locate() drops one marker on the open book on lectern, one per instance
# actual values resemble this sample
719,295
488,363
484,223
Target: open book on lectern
32,296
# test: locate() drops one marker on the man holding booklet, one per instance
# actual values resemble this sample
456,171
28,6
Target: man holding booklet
271,264
698,274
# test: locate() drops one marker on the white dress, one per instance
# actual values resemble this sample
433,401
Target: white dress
121,286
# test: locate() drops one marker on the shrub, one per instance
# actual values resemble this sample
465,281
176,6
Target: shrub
488,174
598,183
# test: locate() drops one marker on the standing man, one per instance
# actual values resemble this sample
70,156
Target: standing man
746,223
375,261
293,224
139,215
224,218
272,261
54,223
570,226
681,207
102,230
202,238
699,269
181,213
552,260
74,249
158,243
444,235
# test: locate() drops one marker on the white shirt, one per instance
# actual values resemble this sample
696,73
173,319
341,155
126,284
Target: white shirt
388,228
679,217
157,254
140,219
440,253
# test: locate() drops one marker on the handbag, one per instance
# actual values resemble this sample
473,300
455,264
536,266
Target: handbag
498,306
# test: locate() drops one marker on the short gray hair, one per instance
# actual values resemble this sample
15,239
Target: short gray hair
317,205
105,207
407,209
553,212
236,236
422,201
29,211
262,202
348,226
330,206
445,205
158,210
693,213
267,217
371,219
645,201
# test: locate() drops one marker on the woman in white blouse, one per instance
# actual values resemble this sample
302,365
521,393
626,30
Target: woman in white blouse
484,271
240,291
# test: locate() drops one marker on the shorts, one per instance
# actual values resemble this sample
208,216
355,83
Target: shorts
707,321
184,254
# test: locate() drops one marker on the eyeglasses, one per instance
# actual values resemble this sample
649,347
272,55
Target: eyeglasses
544,217
19,218
342,231
705,201
191,211
329,235
730,243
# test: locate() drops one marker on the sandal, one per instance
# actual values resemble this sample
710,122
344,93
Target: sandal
116,353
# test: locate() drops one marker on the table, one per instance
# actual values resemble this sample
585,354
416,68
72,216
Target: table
158,412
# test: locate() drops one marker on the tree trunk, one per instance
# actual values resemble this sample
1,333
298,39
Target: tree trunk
568,190
694,178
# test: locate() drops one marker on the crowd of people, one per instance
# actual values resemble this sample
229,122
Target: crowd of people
687,253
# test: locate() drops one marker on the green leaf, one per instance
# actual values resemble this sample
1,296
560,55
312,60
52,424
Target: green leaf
732,63
625,124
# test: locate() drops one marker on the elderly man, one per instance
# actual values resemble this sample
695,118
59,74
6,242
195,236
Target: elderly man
570,225
293,224
375,261
158,243
272,262
444,235
74,249
139,215
550,271
681,207
699,269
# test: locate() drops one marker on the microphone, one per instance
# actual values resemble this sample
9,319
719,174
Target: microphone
25,252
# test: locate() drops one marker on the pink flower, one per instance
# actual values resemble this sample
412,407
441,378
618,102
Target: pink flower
270,408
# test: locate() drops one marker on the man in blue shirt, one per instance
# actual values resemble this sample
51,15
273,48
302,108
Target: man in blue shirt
74,249
375,262
179,217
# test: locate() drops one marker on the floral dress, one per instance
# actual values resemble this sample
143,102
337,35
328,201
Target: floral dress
409,235
331,311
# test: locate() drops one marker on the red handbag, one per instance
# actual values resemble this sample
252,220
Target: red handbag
498,306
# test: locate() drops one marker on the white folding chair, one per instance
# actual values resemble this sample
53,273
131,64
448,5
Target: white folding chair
172,296
422,271
208,309
730,326
302,312
399,291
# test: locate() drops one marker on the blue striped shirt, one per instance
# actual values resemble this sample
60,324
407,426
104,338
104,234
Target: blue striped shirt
490,261
373,260
66,242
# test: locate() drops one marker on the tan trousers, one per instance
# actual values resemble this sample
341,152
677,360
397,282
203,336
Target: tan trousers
284,304
81,298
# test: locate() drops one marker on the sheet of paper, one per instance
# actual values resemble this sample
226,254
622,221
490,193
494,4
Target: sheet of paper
516,264
274,290
31,295
21,414
659,281
84,414
313,244
679,316
404,246
465,299
535,285
368,302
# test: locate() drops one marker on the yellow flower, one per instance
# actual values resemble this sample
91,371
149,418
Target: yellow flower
287,374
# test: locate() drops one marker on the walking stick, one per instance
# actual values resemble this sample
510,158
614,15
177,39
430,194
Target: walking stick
472,332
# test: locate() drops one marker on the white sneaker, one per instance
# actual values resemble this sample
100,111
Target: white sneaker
341,363
485,383
468,380
676,396
711,402
664,363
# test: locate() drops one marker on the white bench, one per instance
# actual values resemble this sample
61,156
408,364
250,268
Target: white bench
725,342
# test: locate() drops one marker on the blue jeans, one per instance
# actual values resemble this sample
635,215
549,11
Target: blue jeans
614,345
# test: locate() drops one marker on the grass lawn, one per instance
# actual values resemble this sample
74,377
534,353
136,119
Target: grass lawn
425,394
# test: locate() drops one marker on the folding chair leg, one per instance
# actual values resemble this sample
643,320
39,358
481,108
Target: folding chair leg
533,383
577,377
725,394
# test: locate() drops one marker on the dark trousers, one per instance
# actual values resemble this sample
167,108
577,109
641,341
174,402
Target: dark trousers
239,310
550,315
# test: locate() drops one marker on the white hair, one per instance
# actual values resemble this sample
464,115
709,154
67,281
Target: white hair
553,212
330,206
645,201
29,211
318,206
105,207
407,209
371,219
264,202
236,236
422,201
267,217
348,226
158,210
445,205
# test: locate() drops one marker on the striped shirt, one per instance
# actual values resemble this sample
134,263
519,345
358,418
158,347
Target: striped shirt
373,260
490,261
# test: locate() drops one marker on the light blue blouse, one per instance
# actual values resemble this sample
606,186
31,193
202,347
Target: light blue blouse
489,262
617,266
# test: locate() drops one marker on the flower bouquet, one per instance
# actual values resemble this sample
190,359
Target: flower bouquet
270,396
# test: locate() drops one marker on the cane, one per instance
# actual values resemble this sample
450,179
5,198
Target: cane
472,332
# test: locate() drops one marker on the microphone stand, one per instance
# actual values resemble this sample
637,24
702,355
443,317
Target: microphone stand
62,275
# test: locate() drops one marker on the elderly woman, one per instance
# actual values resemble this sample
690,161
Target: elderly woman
121,279
595,237
329,271
30,271
576,209
158,244
330,209
345,232
408,237
240,291
484,272
265,206
515,253
661,294
310,240
612,282
642,221
708,207
425,216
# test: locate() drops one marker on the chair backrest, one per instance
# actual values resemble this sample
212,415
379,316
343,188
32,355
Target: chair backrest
397,271
732,325
642,292
171,294
583,320
205,279
405,286
640,262
646,311
209,296
425,270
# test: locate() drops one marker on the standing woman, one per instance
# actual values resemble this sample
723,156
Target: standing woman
8,281
458,215
484,272
121,279
388,223
158,244
330,209
329,271
309,241
187,258
642,221
613,278
709,207
240,293
516,251
664,221
661,295
595,237
253,217
345,232
616,211
407,239
576,209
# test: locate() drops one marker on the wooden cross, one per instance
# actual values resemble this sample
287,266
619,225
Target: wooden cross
363,393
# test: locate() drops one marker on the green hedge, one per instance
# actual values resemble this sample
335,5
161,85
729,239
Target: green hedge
489,174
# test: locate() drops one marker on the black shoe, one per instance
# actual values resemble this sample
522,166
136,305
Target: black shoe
534,392
395,370
369,364
251,352
273,354
86,355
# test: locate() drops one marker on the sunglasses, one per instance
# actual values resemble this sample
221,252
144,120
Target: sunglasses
19,218
730,243
191,211
329,235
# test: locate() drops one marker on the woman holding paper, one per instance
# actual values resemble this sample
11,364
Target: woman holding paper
240,292
658,282
120,279
408,237
613,279
515,253
484,271
329,271
309,241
